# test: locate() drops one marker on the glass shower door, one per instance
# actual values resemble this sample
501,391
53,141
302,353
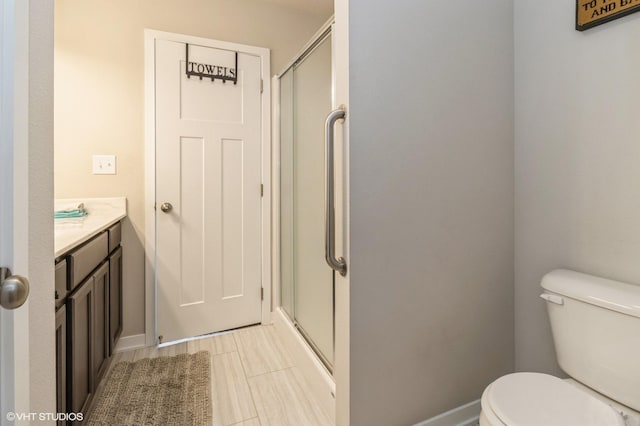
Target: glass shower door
306,280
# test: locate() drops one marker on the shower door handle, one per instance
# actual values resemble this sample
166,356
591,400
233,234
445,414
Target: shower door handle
339,264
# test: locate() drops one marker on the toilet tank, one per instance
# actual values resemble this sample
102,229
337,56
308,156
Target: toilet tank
596,331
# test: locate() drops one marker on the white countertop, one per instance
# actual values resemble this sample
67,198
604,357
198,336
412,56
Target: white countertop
103,212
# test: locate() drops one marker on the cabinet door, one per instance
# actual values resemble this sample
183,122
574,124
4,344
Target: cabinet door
100,322
80,364
61,361
115,298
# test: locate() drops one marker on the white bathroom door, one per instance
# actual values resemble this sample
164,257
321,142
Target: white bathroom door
208,191
14,228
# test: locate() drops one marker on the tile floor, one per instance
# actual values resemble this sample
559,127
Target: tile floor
253,380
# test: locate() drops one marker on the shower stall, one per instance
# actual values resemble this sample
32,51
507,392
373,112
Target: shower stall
305,100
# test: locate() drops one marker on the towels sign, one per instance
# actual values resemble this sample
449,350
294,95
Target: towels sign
590,13
214,72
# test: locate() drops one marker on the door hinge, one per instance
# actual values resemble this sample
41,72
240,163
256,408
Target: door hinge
261,85
261,293
262,189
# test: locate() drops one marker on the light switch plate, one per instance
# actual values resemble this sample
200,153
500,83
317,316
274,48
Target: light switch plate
104,164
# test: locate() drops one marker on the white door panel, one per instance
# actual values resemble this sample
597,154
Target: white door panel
14,193
208,166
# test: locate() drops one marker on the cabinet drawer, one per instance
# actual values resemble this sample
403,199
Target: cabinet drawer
115,236
61,282
87,258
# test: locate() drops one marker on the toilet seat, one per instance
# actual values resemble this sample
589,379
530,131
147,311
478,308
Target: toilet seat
534,399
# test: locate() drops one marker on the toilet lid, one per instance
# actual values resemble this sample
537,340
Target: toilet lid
534,399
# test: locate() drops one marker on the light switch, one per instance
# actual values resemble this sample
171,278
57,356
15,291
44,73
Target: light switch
104,164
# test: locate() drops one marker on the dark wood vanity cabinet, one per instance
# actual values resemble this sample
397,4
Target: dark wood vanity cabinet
61,336
80,344
89,320
61,361
115,298
61,283
86,258
100,338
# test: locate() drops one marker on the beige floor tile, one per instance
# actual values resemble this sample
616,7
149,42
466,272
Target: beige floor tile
283,398
219,344
123,356
252,422
154,351
230,395
148,352
261,350
253,381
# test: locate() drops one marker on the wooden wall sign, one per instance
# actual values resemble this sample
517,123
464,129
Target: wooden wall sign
590,13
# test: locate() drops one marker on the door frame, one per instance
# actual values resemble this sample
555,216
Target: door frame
150,36
27,347
342,361
14,117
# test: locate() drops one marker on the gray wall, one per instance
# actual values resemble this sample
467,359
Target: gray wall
431,169
577,159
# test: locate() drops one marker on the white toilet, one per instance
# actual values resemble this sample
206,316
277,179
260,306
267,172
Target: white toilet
596,330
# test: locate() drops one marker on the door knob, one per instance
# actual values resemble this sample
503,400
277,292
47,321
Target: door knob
14,289
166,207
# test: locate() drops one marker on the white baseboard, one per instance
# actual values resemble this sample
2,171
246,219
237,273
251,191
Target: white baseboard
319,379
465,415
128,343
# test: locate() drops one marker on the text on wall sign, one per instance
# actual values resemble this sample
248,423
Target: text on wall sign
214,72
590,13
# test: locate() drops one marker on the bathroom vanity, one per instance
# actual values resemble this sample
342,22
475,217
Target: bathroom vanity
88,298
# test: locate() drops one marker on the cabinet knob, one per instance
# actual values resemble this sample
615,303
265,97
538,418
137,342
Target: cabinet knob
166,207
